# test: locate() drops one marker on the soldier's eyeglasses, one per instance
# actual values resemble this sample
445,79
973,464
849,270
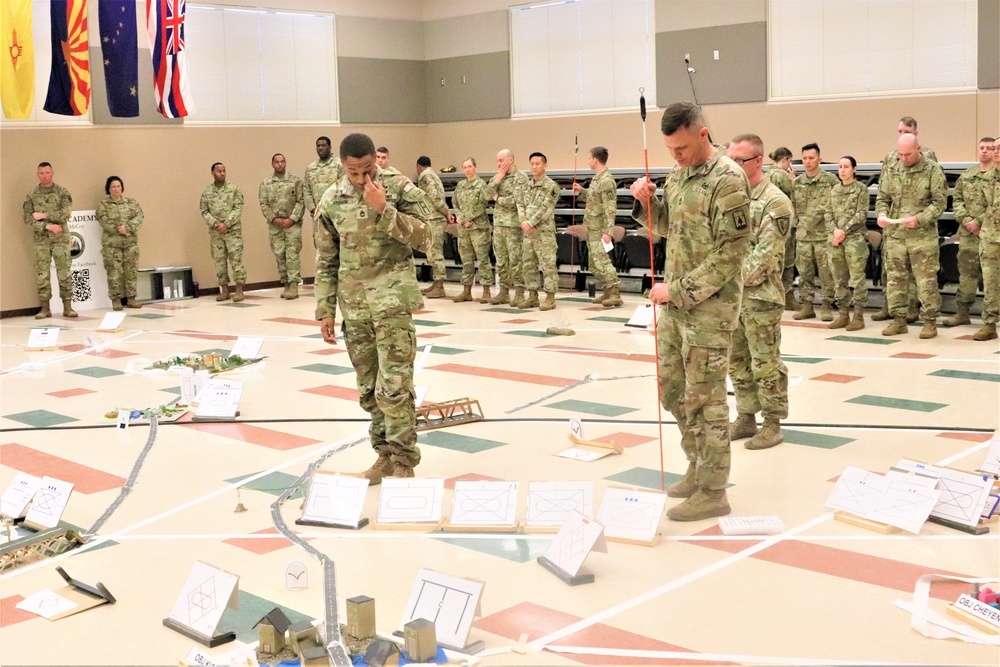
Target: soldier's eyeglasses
742,160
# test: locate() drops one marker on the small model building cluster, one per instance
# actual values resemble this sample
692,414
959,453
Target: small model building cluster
167,411
211,362
279,639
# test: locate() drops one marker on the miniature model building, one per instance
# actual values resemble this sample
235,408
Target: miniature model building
382,653
420,640
314,656
271,631
303,635
361,617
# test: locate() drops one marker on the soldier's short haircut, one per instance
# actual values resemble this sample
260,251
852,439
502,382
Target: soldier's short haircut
780,153
44,164
545,160
599,153
382,149
988,139
909,121
681,115
326,139
356,145
854,163
423,161
276,155
812,147
753,140
470,159
112,179
214,165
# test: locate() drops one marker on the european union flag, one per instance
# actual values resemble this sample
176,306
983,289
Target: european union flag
121,56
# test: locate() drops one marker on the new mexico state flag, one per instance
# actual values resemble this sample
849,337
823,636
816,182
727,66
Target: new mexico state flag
17,60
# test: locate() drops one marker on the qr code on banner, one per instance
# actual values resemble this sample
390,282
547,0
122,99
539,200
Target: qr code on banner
81,285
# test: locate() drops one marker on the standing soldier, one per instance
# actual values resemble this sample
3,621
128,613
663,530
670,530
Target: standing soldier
969,206
47,209
367,223
507,188
812,208
539,227
601,197
282,203
912,194
474,232
222,208
849,246
760,378
120,218
780,174
320,175
989,253
431,184
705,218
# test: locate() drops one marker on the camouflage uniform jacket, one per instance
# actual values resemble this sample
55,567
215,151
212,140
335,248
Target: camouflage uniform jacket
281,197
320,175
969,201
780,177
705,218
509,193
540,199
112,214
601,197
849,207
54,200
222,204
431,184
919,190
470,199
364,259
771,219
991,219
893,156
812,205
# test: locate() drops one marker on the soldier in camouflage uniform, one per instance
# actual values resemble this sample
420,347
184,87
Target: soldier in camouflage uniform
780,173
431,184
222,209
849,246
969,205
705,218
989,253
539,227
320,175
382,160
368,221
601,198
812,209
760,378
47,209
507,188
120,218
912,194
282,202
474,232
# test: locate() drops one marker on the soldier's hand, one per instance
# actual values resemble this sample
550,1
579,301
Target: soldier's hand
222,228
660,294
838,236
972,226
329,331
643,189
467,224
452,218
605,239
54,228
910,222
883,221
374,194
577,187
122,230
526,228
37,215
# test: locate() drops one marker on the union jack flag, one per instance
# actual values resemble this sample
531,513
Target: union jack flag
171,83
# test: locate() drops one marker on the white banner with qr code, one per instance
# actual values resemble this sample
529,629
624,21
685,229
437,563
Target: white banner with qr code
90,280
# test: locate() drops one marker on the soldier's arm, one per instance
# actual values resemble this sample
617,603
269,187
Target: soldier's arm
107,224
883,201
768,256
307,193
236,213
405,223
546,209
958,201
521,194
206,212
475,202
61,215
609,199
657,220
583,194
492,190
860,213
136,219
435,192
265,203
327,241
938,200
299,210
29,215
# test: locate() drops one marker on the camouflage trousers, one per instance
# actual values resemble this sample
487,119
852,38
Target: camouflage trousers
507,248
969,270
912,258
693,388
598,262
539,257
286,244
474,244
228,249
48,249
847,265
911,291
760,378
812,259
121,263
989,258
788,273
435,248
382,353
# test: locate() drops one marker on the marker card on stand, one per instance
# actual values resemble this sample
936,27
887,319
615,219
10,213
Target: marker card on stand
247,347
112,322
18,495
44,338
642,317
49,504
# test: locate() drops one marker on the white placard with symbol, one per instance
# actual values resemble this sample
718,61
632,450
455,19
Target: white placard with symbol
335,499
49,504
576,539
904,501
450,603
205,596
43,338
46,604
484,503
631,515
550,503
112,321
14,502
247,347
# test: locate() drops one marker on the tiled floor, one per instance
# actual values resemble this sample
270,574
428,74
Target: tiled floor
820,594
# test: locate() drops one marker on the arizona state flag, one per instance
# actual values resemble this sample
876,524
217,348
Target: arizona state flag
17,62
69,80
119,45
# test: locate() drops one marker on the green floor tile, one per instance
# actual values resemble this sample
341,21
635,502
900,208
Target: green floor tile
518,550
329,369
96,372
577,299
457,442
41,418
440,349
804,360
590,408
242,304
273,483
151,316
809,439
251,609
898,403
315,335
865,339
645,477
966,375
430,323
607,318
527,332
503,309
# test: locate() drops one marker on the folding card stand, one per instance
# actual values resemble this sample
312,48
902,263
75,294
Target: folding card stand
201,603
975,613
642,317
867,524
549,504
483,507
589,450
578,537
84,595
632,516
979,529
451,604
334,501
112,322
410,504
43,338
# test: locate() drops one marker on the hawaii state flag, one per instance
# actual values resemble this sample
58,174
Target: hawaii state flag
121,56
69,80
17,62
165,26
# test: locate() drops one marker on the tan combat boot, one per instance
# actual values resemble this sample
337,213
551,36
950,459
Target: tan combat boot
550,301
614,299
530,300
858,322
744,426
768,436
961,316
912,313
930,328
400,469
988,332
825,312
599,299
687,485
381,468
466,294
502,297
806,312
116,304
790,302
437,290
843,318
68,309
898,326
881,315
238,296
486,295
702,504
132,303
43,311
518,297
427,290
292,291
223,293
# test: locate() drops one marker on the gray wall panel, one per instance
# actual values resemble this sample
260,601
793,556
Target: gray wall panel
375,90
465,35
989,44
484,94
148,115
740,74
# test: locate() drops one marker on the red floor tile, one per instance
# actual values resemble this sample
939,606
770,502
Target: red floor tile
805,325
625,439
970,437
468,477
188,333
513,376
293,320
332,391
73,347
111,354
69,393
254,435
329,350
431,334
9,614
623,356
85,479
834,377
912,355
260,545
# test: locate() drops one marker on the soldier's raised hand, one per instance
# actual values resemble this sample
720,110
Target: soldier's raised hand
329,331
374,194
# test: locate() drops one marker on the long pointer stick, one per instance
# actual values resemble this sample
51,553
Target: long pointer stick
572,236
